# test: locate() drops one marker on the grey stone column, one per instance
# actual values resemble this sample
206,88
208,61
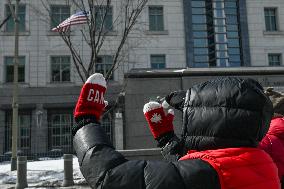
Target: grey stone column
2,131
33,133
43,133
118,131
39,132
42,130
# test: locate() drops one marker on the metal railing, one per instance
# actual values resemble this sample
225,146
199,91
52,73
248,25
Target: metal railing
39,142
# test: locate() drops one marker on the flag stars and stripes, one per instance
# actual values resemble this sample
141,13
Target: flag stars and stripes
75,19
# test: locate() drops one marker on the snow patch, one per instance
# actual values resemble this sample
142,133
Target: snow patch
47,173
180,70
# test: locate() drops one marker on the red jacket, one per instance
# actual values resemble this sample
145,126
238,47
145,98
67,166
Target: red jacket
241,168
273,143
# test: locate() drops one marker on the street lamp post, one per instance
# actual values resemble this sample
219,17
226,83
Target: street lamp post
15,104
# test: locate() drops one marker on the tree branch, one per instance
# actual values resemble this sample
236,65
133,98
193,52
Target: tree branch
5,20
75,55
12,10
97,38
129,23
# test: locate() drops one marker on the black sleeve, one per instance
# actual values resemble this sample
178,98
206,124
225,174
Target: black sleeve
171,148
103,167
198,174
171,151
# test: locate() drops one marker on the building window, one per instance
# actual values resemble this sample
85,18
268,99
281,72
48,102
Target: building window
24,132
158,61
270,19
233,52
103,18
201,34
58,14
60,134
60,69
107,125
60,124
156,18
274,59
216,33
104,64
10,24
9,64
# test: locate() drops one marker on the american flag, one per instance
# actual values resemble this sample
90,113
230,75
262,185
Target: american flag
75,19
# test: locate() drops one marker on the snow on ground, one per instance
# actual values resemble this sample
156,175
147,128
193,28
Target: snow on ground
45,173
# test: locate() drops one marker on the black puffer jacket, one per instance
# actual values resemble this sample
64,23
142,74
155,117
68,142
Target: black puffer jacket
227,112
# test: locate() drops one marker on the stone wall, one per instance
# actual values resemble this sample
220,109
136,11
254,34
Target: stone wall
143,154
145,85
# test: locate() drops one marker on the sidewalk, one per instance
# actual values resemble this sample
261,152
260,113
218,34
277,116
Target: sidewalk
46,174
12,186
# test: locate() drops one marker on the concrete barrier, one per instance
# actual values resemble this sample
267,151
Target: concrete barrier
145,154
68,170
21,172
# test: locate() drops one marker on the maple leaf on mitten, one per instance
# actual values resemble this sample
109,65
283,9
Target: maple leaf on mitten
159,123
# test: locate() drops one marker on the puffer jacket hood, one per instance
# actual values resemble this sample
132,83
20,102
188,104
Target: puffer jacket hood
273,144
225,112
277,127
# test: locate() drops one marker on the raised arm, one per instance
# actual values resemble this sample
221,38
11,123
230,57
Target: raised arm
105,168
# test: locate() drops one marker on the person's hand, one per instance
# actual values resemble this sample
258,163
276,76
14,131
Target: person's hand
159,123
175,99
91,103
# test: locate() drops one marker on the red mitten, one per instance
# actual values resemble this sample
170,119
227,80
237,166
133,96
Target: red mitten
159,123
91,100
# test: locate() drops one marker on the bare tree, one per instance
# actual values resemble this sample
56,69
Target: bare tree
97,32
5,20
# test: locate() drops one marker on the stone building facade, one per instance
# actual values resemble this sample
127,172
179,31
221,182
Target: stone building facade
266,32
49,84
175,39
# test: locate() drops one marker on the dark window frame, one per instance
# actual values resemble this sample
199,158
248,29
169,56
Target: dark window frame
8,131
158,65
272,56
99,16
61,64
22,25
269,19
21,68
53,22
107,125
104,64
51,128
157,17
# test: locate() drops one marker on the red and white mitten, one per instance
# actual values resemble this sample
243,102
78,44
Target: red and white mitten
159,123
91,100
